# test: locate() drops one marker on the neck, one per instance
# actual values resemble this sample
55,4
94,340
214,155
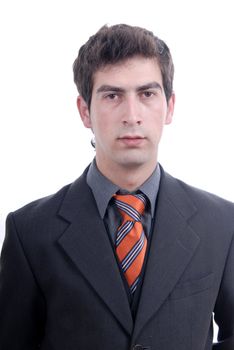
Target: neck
128,178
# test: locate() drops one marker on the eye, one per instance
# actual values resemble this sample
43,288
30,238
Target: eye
148,94
111,96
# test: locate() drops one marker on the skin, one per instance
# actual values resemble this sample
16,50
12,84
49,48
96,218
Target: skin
127,115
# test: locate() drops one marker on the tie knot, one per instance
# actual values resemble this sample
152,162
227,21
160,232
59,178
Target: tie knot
130,206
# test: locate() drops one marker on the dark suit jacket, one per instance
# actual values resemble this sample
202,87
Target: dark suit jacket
60,287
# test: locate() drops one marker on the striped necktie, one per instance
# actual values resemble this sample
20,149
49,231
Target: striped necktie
131,241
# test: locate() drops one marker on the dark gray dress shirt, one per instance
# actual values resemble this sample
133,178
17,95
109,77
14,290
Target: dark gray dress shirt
103,190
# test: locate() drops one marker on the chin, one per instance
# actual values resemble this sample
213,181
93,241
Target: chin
133,162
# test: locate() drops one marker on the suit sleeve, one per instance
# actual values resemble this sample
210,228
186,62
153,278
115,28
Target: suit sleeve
224,308
22,307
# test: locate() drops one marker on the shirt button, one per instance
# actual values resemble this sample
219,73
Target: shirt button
138,347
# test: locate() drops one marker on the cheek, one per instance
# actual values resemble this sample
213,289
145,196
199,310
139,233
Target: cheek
157,119
102,127
155,126
161,115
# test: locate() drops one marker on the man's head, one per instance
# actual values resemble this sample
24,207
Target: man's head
124,76
116,44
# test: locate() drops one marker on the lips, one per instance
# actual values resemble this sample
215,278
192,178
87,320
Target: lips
131,137
131,140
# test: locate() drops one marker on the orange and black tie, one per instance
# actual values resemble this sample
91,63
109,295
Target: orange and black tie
131,242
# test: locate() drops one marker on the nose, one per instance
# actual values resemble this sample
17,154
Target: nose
131,111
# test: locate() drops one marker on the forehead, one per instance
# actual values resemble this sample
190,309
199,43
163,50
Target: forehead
132,72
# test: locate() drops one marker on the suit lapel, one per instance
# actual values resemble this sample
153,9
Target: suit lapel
87,243
172,247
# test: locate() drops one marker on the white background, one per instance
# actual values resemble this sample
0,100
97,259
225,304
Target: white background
43,144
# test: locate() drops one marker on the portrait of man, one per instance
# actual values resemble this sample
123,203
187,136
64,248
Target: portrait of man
127,257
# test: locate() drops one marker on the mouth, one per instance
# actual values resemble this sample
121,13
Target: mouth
131,140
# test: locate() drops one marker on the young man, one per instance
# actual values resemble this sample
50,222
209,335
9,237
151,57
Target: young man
126,257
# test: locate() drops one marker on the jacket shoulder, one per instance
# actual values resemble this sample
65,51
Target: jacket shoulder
205,198
50,204
43,205
207,203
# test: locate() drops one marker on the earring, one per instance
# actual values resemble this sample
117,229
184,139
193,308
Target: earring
93,143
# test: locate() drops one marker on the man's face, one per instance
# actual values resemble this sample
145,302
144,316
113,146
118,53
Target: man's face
127,113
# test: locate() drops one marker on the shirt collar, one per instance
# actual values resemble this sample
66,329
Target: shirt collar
103,189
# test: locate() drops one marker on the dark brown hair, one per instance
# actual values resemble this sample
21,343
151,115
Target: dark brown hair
111,45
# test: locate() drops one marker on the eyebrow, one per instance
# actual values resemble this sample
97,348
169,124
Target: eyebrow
152,85
106,88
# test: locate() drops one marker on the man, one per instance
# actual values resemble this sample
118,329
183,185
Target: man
126,257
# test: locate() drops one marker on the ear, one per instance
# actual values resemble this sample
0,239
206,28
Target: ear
84,112
170,109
